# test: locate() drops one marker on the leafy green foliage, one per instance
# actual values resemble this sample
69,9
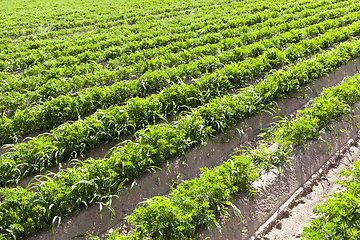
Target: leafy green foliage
110,124
155,49
63,108
193,203
338,217
334,103
100,178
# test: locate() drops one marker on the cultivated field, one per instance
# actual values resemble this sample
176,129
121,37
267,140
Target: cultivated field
174,119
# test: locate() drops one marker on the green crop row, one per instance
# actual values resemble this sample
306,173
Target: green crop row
147,28
132,18
14,100
18,83
58,70
17,60
272,22
65,66
193,203
65,108
56,20
23,211
151,21
71,140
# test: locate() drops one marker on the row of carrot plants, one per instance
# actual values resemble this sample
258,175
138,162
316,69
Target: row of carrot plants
24,211
71,140
194,202
134,13
114,24
145,29
87,41
23,58
277,23
58,70
108,51
200,26
14,100
139,56
104,24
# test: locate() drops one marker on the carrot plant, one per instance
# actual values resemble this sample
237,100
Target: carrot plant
156,80
98,180
56,86
193,203
71,140
36,56
156,46
333,104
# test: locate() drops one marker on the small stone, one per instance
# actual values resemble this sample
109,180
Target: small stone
278,225
286,213
300,201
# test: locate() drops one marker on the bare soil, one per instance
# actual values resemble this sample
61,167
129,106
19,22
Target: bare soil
297,216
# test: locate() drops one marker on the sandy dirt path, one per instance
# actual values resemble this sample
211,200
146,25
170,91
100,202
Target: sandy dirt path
297,216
